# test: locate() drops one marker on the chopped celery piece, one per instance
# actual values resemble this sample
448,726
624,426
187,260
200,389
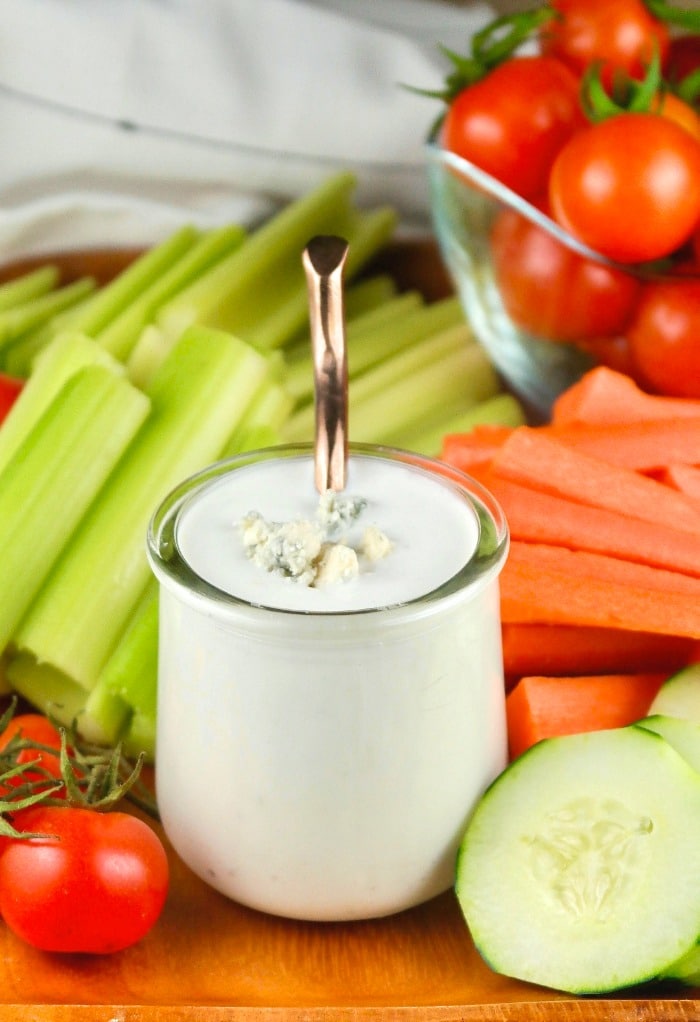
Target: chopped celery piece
54,475
63,700
464,376
121,334
57,362
20,357
500,410
199,395
375,337
140,736
27,286
362,296
20,319
259,292
149,352
111,299
131,670
407,365
263,420
214,298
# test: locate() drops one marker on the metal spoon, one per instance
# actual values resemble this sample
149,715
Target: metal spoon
324,260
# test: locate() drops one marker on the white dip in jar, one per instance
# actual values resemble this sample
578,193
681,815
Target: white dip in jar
320,747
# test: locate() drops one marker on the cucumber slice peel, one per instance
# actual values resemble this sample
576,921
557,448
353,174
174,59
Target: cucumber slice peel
579,868
679,696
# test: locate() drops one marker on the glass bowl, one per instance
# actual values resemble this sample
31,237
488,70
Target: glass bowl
469,208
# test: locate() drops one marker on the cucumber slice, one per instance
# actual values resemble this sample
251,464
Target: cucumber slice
680,695
579,869
686,969
683,735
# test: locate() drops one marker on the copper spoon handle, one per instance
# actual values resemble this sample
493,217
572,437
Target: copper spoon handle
324,260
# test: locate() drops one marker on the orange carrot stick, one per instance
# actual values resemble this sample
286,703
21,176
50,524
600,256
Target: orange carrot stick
684,478
605,396
543,518
536,460
555,597
643,446
588,564
567,649
476,447
544,707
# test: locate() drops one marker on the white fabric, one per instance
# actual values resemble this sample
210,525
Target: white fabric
121,118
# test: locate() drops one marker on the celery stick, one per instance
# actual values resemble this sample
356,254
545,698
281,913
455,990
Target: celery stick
362,296
56,363
112,298
120,335
500,410
54,475
140,736
131,670
408,364
214,298
20,357
149,352
62,699
29,285
374,338
199,395
464,374
261,425
20,319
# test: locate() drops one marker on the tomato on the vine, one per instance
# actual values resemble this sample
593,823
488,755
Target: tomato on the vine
629,187
512,122
664,338
683,57
552,291
95,883
620,33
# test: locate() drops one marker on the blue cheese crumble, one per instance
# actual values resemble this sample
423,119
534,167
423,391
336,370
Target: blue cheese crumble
313,552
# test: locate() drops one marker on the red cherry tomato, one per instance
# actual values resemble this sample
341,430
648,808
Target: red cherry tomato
35,728
620,33
10,389
683,57
513,122
664,338
629,187
552,291
96,883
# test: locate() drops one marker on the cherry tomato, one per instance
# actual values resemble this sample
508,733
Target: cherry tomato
513,122
619,33
629,187
96,883
664,338
683,57
675,109
10,389
552,291
35,728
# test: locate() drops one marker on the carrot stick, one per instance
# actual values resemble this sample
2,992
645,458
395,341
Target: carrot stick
567,649
543,518
643,446
587,564
536,460
605,396
477,447
544,707
555,597
684,478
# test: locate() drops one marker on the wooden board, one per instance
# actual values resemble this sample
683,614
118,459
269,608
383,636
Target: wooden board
212,960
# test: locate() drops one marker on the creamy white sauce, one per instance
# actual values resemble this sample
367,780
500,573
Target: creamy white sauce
323,766
432,529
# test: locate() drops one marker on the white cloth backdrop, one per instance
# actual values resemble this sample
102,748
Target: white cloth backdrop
122,118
